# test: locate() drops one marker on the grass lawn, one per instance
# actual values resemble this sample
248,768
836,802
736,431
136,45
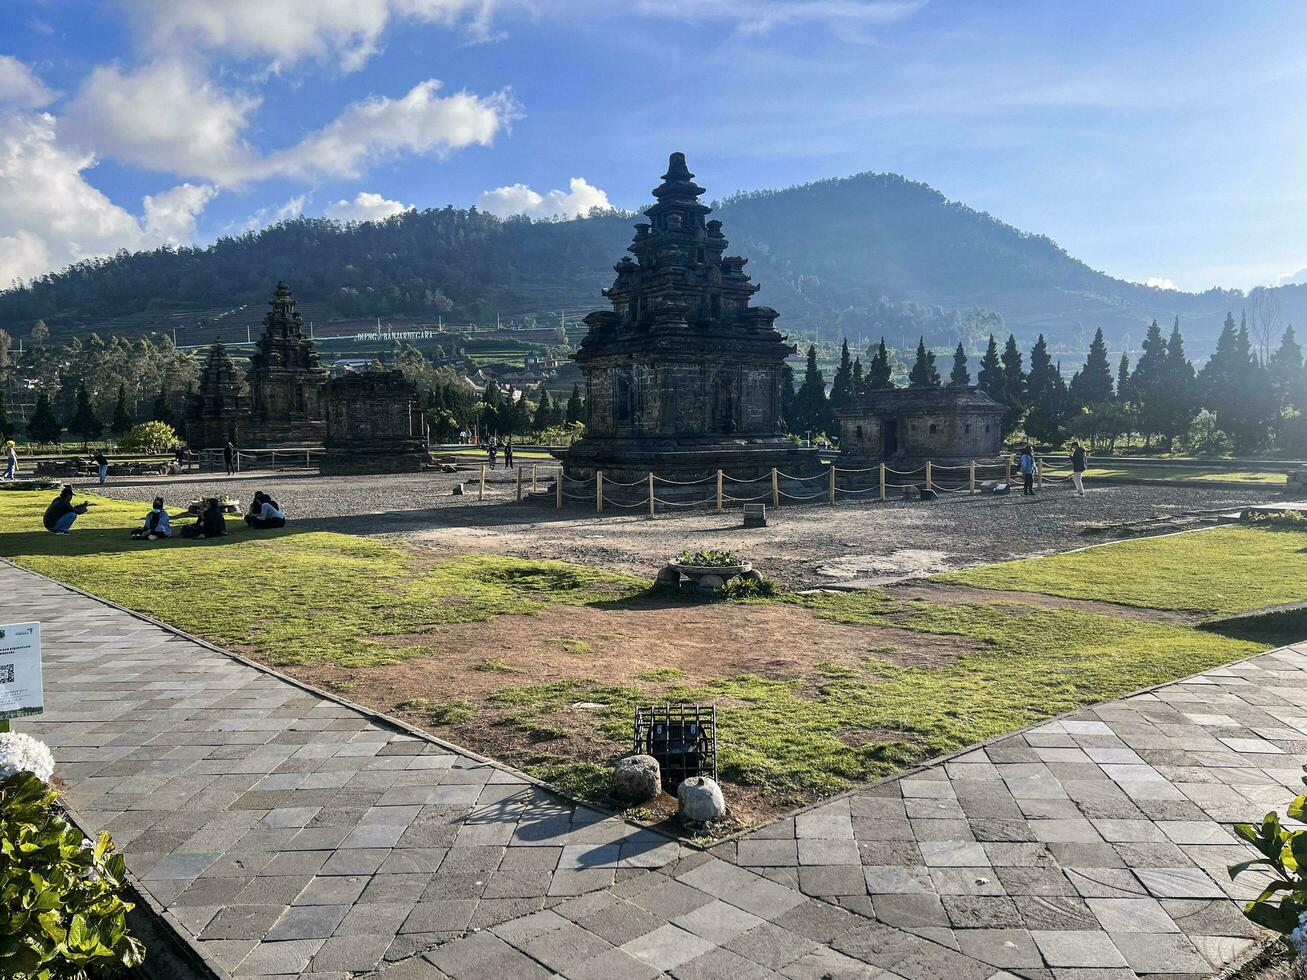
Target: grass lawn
1200,474
1216,572
432,639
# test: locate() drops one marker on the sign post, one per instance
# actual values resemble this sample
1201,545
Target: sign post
21,692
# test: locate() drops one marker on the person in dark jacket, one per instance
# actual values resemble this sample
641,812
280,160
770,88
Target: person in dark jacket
209,524
268,515
102,466
229,457
61,513
1078,464
508,455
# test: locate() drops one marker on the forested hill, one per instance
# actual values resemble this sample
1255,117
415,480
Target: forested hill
863,255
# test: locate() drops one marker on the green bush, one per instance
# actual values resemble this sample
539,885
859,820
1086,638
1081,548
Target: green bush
149,437
1283,857
62,916
709,558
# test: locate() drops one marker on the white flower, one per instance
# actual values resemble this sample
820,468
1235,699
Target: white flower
19,752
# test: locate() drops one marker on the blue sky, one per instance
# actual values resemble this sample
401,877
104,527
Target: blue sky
1152,139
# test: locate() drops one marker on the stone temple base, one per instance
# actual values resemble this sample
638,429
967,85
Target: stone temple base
354,462
627,461
292,435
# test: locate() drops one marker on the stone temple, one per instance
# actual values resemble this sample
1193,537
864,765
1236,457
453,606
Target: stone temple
683,375
374,425
219,408
910,426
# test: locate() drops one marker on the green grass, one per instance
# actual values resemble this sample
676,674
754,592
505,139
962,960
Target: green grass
1213,572
299,597
1201,474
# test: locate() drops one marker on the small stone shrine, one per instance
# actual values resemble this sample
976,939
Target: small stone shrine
683,376
374,425
286,382
945,425
219,408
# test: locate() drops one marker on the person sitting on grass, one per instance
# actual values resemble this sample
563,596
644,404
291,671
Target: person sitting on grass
209,524
61,513
265,512
156,526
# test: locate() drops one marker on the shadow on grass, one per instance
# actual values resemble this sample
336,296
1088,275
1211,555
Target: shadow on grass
109,541
1276,627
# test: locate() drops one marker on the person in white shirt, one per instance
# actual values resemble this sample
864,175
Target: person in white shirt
265,512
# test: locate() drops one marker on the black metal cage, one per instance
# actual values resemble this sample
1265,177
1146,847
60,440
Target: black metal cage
681,737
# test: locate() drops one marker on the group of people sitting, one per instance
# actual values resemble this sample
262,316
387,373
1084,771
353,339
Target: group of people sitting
264,513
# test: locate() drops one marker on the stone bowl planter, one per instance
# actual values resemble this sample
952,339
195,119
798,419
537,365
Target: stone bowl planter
711,578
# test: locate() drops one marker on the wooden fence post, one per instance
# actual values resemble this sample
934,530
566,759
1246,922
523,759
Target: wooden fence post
882,481
238,461
599,491
973,476
307,461
533,477
1039,472
519,484
775,489
481,489
651,496
832,484
1007,473
719,491
928,475
558,491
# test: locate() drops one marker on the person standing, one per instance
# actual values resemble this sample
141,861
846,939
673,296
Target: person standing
1027,467
102,467
229,457
1078,458
492,450
11,460
508,454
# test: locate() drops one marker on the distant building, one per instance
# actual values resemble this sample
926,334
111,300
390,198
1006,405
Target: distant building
946,425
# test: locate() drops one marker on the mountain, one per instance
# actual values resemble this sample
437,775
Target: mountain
860,256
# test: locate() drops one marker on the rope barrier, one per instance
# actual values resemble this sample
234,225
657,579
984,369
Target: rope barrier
864,490
869,469
748,500
615,483
692,503
683,483
811,496
919,469
735,479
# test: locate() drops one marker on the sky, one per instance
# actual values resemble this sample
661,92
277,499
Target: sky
1157,140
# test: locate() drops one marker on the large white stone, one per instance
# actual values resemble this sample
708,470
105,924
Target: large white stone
637,778
701,800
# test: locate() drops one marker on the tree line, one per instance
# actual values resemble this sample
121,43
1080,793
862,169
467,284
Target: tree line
1246,398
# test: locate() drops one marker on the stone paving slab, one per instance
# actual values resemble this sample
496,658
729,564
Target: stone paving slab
287,834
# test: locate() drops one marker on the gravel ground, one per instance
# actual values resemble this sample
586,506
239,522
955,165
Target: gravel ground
854,543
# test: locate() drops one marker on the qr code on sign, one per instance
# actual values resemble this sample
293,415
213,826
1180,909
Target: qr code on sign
6,673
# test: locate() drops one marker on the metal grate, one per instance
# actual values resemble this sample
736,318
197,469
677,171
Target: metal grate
681,737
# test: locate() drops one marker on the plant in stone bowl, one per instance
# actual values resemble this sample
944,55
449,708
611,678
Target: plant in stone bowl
1282,904
709,558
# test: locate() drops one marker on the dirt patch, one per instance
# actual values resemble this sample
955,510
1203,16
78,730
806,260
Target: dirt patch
947,592
644,647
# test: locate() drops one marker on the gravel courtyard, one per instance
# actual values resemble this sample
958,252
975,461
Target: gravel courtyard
853,543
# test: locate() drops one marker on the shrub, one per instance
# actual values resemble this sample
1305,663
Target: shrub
1283,857
1204,438
150,437
710,558
62,916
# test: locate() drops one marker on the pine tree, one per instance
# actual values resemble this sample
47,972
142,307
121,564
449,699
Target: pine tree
43,427
879,374
1044,422
1234,386
859,382
161,411
1149,382
575,407
544,416
842,384
811,407
960,376
1123,392
1014,385
923,373
1179,394
990,377
788,399
85,422
1286,371
1092,384
122,419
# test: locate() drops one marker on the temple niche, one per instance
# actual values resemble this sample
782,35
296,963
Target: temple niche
949,426
683,375
285,382
374,425
219,407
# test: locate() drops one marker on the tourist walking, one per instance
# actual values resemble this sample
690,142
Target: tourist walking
1027,466
229,457
102,466
61,513
508,454
1078,457
11,461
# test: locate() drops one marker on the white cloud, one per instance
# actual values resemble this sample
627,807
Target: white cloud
292,207
50,216
848,19
366,206
1160,282
521,199
284,32
1298,278
20,87
168,117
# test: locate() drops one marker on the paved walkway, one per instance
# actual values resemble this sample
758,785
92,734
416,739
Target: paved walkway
286,834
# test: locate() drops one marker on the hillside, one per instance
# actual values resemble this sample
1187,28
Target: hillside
858,256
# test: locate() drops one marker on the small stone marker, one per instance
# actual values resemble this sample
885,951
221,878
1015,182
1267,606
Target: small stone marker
911,492
755,515
701,800
637,778
458,490
929,495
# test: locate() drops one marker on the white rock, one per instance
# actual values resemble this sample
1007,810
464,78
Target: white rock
637,778
701,800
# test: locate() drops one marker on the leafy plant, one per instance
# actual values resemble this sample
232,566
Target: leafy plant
1283,857
62,916
709,558
149,437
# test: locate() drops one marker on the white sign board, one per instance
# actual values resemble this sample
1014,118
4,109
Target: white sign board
20,670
